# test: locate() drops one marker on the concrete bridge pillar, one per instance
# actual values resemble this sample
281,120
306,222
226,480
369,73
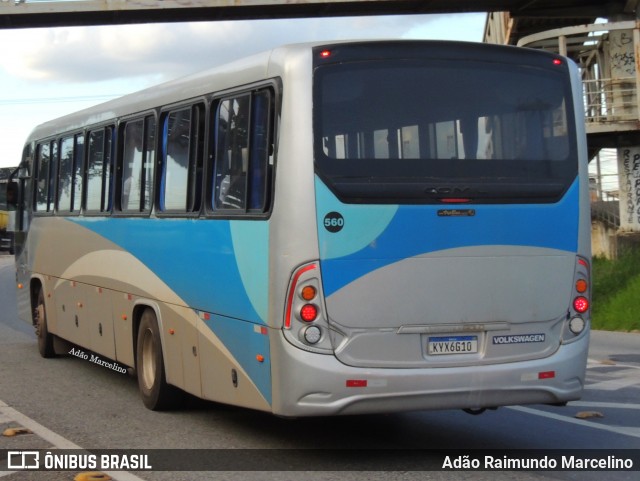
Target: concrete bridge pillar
624,79
629,177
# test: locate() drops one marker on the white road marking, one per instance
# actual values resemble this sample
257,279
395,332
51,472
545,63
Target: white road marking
624,430
621,379
604,405
592,363
613,384
55,439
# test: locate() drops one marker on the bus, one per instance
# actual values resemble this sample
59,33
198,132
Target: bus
322,229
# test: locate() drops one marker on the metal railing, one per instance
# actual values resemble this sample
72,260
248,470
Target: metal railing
607,212
610,100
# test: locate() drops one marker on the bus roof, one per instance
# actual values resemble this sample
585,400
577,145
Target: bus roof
234,74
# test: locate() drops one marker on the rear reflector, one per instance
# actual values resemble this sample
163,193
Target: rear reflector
356,383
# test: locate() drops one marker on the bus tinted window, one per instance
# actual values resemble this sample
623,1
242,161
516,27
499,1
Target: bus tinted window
182,160
137,167
260,145
232,153
46,176
77,173
417,130
243,152
99,170
65,174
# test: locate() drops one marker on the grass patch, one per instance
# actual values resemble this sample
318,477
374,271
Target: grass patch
616,292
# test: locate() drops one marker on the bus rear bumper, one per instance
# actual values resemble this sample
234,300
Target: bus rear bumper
308,384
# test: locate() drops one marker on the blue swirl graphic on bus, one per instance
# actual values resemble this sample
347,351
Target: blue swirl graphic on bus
394,233
199,260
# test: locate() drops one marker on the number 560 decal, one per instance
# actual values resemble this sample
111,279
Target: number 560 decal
333,222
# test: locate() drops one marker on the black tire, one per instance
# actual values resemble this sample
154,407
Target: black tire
156,394
45,338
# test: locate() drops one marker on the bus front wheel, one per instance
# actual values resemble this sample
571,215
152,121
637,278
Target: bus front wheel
156,394
45,338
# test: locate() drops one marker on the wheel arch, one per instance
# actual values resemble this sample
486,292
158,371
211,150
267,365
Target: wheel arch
138,309
36,284
161,394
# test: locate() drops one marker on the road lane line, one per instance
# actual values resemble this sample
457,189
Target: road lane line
626,431
594,363
612,384
606,405
45,433
55,439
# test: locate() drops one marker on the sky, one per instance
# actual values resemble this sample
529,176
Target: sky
49,72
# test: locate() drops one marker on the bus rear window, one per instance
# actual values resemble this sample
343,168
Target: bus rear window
420,130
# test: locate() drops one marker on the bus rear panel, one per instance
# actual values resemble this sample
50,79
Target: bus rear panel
453,259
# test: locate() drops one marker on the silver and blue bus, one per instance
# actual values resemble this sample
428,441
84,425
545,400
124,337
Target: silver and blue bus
322,229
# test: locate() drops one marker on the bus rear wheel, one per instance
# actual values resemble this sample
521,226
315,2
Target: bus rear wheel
45,339
156,394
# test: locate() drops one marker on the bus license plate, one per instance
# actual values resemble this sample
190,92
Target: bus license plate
439,346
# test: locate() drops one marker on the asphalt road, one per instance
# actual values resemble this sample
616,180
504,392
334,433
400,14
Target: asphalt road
71,403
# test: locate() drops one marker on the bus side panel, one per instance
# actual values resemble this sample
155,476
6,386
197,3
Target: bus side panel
179,341
235,362
96,308
121,307
71,316
191,271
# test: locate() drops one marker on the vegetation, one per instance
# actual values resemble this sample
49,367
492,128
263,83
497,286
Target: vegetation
616,292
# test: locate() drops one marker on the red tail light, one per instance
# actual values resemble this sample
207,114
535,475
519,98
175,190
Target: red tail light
294,284
309,313
581,304
306,324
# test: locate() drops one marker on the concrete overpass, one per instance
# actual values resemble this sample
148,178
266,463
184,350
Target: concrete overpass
26,13
608,54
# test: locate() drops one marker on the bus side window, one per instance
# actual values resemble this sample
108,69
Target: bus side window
260,146
138,160
70,173
232,153
65,174
46,176
78,156
98,188
182,152
43,163
243,152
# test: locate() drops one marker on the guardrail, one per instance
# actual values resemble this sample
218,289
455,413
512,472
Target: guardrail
607,212
606,100
610,100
